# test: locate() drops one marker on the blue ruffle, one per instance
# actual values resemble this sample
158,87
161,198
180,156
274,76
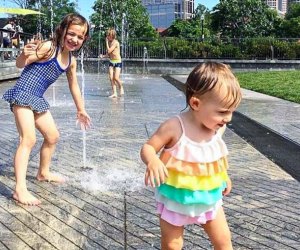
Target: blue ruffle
16,96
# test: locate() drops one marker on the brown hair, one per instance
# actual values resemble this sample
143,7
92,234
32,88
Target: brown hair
207,76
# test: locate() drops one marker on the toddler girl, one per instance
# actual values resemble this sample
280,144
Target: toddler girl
190,175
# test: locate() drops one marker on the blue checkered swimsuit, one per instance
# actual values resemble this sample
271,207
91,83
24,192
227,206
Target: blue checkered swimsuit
32,84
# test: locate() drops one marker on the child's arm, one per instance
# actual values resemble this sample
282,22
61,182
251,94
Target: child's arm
32,52
82,116
228,188
112,46
103,56
165,135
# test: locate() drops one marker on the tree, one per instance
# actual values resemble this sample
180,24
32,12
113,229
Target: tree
190,28
293,11
243,18
128,16
184,29
44,23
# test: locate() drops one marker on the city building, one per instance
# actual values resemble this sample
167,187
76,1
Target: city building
273,4
280,5
163,12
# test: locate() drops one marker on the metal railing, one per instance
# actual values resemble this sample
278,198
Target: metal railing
15,46
215,48
175,48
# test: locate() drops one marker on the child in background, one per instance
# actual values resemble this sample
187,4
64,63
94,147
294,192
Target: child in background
115,62
44,62
190,175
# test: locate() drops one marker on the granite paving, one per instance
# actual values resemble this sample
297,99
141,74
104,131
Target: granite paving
104,203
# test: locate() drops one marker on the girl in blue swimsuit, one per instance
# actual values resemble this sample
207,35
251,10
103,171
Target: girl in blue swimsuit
44,63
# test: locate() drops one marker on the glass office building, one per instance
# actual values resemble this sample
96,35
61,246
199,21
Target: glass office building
163,12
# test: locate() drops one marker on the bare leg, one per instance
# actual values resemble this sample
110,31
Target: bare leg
45,124
218,232
25,124
171,236
112,81
118,80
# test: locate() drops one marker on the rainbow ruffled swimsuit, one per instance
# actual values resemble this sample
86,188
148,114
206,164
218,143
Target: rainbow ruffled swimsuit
197,177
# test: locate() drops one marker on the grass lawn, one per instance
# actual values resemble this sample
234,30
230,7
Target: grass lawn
281,84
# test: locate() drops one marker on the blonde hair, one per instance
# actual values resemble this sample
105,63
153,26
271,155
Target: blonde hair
111,32
207,76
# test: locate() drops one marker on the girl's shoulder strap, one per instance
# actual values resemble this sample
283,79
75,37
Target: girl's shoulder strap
70,59
56,52
181,124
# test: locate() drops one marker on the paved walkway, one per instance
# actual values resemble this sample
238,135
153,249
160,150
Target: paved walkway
104,204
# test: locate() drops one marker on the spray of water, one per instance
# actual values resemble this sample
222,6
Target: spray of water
145,61
99,34
39,26
52,14
111,180
82,93
51,27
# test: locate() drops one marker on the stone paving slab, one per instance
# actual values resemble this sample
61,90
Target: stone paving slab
104,204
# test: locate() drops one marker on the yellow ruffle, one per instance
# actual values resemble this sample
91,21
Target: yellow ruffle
194,169
181,180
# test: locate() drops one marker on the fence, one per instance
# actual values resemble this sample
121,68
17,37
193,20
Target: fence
263,48
175,48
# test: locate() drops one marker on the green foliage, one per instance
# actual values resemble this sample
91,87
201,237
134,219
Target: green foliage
128,16
191,28
258,48
230,51
285,50
36,23
293,11
291,27
243,18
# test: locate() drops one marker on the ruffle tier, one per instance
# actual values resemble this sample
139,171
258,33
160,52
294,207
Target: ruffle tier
186,196
181,220
191,210
23,98
193,183
193,168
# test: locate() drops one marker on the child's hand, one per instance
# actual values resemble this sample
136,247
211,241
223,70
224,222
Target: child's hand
84,120
30,49
155,173
228,188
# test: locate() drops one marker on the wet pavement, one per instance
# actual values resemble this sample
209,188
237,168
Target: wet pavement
104,204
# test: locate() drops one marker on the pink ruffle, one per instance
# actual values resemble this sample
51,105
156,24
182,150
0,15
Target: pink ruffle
177,219
190,151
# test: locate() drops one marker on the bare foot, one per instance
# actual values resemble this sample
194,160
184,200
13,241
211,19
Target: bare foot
51,178
113,96
26,198
121,91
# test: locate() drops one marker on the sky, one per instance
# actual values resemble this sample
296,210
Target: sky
85,6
